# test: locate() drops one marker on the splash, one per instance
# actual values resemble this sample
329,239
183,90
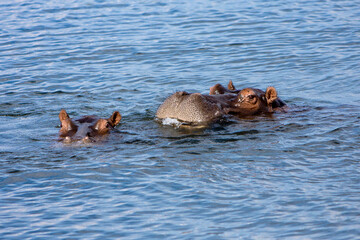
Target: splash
172,122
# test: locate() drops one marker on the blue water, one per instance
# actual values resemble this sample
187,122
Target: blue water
292,176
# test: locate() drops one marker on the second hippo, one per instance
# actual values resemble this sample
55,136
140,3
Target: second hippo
198,108
87,128
276,104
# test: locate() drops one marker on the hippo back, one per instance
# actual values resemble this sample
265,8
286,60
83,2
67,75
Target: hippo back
192,108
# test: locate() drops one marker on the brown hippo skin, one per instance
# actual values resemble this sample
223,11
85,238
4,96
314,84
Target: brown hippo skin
199,108
275,104
220,89
87,128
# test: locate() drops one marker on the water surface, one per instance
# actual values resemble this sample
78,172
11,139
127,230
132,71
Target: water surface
289,176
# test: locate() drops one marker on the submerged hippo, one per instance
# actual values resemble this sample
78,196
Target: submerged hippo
86,128
276,104
198,108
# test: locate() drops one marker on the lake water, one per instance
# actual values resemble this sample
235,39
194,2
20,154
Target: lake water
290,176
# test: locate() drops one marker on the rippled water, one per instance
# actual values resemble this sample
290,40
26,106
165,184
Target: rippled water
291,176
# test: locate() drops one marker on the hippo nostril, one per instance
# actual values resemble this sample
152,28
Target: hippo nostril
86,139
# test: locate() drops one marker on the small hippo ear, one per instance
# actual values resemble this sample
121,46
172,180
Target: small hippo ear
217,89
271,95
115,119
66,123
63,115
231,86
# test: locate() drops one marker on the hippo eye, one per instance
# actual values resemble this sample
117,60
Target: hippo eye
107,125
252,98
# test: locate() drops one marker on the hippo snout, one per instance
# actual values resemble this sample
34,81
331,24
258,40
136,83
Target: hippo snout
85,139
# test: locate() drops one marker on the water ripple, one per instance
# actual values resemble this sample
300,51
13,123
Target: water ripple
291,175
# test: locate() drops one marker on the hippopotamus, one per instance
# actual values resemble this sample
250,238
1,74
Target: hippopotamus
198,108
87,128
276,104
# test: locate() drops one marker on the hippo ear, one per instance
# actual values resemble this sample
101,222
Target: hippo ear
271,96
217,89
114,119
231,86
63,115
66,123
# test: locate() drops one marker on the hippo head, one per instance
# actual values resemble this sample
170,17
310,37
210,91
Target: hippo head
251,101
87,128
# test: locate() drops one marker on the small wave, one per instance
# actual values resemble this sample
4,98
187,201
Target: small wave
171,122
